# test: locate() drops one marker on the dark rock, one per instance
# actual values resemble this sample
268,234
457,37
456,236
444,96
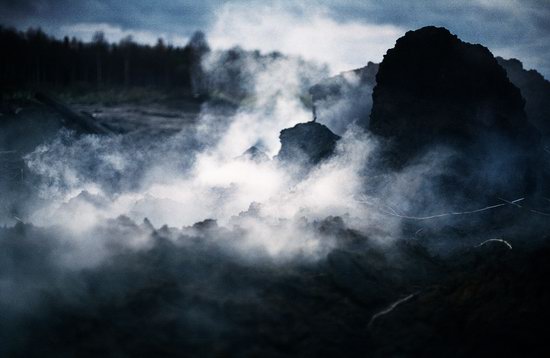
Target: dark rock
206,224
306,144
341,100
253,211
147,225
255,154
470,308
354,280
434,90
432,86
536,91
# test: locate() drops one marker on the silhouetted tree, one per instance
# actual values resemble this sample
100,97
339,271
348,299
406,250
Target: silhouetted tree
198,47
100,47
126,45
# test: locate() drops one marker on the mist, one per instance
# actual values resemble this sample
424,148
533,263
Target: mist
264,207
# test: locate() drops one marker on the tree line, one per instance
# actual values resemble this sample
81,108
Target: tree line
32,58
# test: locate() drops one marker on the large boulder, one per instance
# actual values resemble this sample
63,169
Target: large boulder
306,144
342,100
536,91
434,90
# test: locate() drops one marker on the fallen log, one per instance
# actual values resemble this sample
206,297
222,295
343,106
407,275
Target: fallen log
79,121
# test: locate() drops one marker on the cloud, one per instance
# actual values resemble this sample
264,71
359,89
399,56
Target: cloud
172,16
508,27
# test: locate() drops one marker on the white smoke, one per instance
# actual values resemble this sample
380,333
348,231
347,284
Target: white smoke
307,31
201,174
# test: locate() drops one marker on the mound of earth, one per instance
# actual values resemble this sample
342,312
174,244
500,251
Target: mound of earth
306,144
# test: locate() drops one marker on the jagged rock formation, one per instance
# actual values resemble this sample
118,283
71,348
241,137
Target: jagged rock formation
536,91
432,86
341,100
306,144
435,90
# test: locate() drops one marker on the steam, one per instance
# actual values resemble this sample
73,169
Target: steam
200,173
193,242
307,31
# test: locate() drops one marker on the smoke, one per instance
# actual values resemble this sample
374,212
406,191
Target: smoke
201,173
345,99
272,90
186,243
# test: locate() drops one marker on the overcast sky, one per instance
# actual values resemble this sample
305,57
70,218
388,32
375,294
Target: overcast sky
345,34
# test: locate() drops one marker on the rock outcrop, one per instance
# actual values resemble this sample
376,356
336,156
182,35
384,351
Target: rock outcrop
536,91
255,154
306,144
435,90
342,100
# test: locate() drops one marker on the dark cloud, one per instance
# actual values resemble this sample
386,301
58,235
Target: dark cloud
170,16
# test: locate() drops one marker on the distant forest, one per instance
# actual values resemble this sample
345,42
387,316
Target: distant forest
34,59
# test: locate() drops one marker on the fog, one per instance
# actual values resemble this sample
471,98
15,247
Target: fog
139,243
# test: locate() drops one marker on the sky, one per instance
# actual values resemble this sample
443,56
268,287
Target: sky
344,34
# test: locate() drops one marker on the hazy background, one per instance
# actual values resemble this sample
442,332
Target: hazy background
346,34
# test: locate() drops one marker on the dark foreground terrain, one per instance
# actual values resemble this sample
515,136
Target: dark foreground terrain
190,293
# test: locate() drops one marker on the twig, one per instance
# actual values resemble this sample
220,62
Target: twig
513,202
496,240
539,212
390,308
510,202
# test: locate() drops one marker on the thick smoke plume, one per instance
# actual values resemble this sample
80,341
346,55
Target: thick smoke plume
201,172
